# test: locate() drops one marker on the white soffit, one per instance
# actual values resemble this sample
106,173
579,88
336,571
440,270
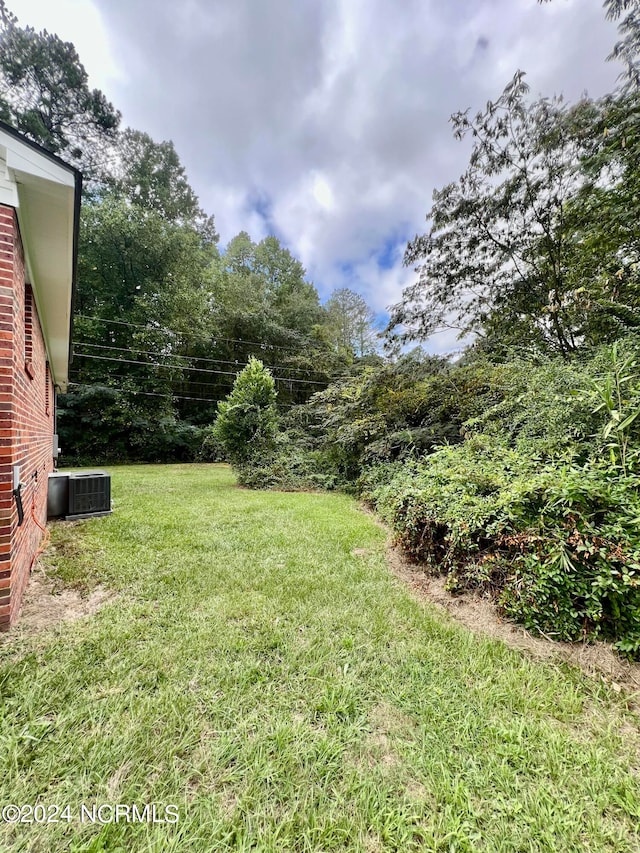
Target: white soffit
46,214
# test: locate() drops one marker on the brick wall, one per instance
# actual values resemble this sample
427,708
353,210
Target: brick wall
26,420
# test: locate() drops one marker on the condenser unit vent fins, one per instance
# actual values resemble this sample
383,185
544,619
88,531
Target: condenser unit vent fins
89,494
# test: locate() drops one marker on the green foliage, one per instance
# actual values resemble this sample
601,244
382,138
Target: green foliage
211,450
535,408
618,395
101,424
397,411
163,314
557,545
575,572
134,268
494,254
246,425
285,466
351,323
135,264
384,411
538,240
627,49
542,509
150,175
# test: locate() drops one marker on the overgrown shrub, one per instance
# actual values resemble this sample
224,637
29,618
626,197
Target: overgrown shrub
557,545
539,410
442,507
396,411
519,479
285,466
575,568
246,425
211,449
407,409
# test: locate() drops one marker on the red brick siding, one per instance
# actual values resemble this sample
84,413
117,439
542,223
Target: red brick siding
28,324
26,424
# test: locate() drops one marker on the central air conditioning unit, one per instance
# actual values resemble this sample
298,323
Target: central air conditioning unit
82,494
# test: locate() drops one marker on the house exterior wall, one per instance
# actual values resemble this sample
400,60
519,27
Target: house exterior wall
26,420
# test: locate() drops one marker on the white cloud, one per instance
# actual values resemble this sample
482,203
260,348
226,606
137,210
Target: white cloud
322,192
333,114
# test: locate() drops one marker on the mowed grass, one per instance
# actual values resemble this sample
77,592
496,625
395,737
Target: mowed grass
289,695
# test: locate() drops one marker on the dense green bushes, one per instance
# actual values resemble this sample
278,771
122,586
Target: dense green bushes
518,479
542,510
286,466
100,424
557,545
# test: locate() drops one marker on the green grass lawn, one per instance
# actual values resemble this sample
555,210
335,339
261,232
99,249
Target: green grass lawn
287,694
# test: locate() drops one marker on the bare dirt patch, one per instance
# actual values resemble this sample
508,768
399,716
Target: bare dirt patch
45,604
597,660
386,721
390,725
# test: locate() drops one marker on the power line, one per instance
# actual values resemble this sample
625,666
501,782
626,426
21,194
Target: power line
194,369
151,364
215,338
299,371
219,386
167,395
223,386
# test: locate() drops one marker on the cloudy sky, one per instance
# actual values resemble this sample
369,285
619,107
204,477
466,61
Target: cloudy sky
325,121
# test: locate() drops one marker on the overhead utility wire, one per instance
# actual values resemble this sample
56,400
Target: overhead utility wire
301,371
195,369
147,381
215,338
145,393
167,395
437,331
224,385
221,388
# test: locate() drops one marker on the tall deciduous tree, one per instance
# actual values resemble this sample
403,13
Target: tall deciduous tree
134,264
150,175
44,93
603,252
627,49
496,255
148,283
351,322
142,301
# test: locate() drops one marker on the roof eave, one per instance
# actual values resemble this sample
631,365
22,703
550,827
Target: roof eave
48,198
